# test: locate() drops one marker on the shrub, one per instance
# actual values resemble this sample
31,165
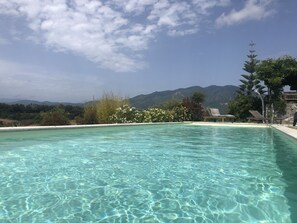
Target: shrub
241,105
57,116
157,115
194,107
90,114
180,114
127,114
78,120
107,106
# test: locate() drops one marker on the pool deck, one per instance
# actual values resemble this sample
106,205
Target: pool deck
289,130
283,128
29,128
237,124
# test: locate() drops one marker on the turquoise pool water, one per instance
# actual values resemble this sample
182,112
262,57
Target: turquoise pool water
158,173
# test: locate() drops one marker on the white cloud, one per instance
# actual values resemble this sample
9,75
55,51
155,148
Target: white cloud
252,10
204,5
133,6
114,33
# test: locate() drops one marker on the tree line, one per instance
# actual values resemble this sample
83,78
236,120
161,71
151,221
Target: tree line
267,79
109,109
34,114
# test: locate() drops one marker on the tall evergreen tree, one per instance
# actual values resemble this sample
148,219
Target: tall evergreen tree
250,81
246,98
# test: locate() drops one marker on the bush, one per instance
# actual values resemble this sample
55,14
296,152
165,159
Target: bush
127,114
107,106
90,114
241,105
180,114
157,115
194,107
57,116
112,109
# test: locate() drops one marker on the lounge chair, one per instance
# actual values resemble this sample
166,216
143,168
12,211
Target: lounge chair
256,116
215,114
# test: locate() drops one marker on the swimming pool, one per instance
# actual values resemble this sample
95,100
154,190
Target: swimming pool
155,173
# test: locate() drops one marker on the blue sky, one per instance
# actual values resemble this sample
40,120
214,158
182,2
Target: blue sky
74,50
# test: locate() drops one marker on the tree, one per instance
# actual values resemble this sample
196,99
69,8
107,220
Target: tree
194,106
270,72
289,66
246,99
241,105
250,81
277,73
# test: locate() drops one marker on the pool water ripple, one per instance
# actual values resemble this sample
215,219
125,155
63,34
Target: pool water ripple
166,173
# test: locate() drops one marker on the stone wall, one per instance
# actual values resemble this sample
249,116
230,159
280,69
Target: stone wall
290,111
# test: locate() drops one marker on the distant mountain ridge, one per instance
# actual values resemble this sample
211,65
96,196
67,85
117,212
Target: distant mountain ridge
215,96
34,102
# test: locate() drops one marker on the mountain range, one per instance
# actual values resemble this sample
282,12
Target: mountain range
34,102
215,96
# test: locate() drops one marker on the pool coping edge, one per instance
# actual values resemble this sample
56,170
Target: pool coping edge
283,128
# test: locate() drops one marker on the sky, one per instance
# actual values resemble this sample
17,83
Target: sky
77,50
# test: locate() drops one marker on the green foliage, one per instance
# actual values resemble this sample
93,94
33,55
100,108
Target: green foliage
250,82
246,98
288,67
170,104
276,73
127,114
269,71
241,105
198,97
79,120
90,114
107,106
180,114
30,114
280,107
194,106
57,116
157,115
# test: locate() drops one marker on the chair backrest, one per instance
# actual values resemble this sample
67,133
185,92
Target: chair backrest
256,114
214,112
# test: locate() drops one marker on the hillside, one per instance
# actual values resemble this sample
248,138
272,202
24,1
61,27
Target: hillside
215,96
